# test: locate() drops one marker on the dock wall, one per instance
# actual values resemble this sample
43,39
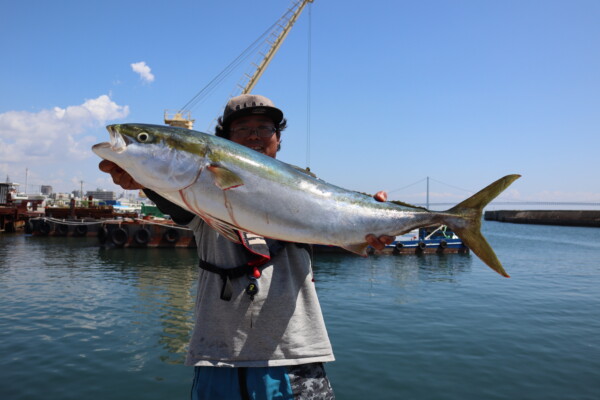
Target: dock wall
546,217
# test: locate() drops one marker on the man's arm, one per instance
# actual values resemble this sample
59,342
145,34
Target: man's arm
178,214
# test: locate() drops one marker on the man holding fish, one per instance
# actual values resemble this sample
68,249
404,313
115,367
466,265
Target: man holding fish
259,331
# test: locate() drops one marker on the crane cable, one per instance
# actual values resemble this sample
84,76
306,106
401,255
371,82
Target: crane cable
308,86
205,91
227,70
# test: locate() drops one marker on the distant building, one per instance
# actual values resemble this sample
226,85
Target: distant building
61,196
46,190
101,194
4,193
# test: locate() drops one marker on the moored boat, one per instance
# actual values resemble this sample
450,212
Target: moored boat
427,240
438,240
74,221
15,212
46,226
144,232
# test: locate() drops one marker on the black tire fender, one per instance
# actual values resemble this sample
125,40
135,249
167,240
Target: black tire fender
29,227
45,228
119,237
142,236
102,234
61,229
171,235
81,230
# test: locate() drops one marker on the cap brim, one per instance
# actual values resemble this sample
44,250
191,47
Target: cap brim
274,113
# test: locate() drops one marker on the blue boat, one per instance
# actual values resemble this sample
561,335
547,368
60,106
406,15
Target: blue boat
427,240
424,240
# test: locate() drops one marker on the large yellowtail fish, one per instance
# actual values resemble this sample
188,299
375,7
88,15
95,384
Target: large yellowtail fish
234,188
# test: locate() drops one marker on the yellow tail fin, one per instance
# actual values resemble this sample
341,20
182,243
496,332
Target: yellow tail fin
465,221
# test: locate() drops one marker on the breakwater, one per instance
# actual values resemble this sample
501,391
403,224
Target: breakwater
546,217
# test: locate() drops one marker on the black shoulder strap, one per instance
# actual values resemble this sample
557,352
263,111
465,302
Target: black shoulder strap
226,274
263,249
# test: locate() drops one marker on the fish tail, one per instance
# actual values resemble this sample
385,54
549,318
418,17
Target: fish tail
465,221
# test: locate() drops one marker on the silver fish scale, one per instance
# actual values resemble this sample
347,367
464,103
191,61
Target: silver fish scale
234,187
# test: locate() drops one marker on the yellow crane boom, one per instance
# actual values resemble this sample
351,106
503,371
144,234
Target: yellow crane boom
285,24
282,27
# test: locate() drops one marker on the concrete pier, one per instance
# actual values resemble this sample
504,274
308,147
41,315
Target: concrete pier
546,217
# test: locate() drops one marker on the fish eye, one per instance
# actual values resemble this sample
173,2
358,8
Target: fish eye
143,137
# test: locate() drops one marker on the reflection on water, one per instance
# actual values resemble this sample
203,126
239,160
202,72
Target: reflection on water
83,322
402,270
369,284
74,310
166,281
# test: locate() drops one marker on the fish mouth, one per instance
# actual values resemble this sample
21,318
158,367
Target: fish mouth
118,142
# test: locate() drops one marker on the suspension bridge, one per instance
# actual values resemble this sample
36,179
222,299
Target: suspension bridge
497,202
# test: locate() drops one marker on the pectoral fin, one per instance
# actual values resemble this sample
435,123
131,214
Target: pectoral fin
224,228
224,178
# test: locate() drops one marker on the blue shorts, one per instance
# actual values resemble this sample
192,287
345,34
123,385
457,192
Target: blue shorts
294,382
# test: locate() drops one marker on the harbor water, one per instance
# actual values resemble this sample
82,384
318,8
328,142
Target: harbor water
78,321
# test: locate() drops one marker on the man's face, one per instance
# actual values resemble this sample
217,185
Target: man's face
256,132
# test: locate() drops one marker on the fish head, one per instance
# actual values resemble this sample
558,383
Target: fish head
160,158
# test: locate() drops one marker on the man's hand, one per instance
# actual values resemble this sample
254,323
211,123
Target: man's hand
119,176
378,243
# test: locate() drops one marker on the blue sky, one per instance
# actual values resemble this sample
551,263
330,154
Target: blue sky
461,91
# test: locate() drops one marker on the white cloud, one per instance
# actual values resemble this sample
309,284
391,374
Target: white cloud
54,137
143,70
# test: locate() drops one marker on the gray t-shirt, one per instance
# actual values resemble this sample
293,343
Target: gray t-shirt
282,325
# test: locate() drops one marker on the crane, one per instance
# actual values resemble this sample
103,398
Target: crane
276,35
280,34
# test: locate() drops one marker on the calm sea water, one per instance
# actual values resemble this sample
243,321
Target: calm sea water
79,322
